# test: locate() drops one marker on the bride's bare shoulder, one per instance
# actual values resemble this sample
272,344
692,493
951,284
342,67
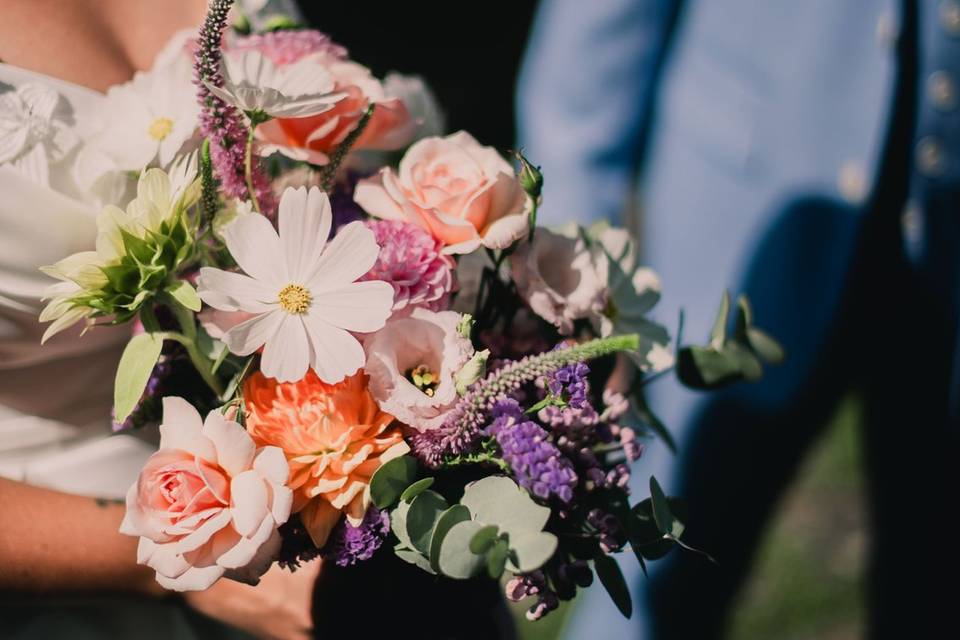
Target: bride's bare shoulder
95,43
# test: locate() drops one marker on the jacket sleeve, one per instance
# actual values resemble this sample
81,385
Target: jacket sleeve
583,93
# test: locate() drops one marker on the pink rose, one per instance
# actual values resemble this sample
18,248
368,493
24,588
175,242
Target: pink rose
412,363
208,501
313,138
464,194
558,276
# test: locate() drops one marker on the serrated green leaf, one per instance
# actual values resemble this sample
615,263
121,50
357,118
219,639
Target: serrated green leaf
456,560
184,293
416,489
390,480
612,580
422,516
497,559
484,539
453,515
133,372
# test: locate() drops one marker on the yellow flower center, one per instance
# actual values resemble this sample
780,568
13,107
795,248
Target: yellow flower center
424,379
294,299
160,128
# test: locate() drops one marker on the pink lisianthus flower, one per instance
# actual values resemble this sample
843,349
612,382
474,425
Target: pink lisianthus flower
411,261
314,138
466,195
558,276
412,363
207,502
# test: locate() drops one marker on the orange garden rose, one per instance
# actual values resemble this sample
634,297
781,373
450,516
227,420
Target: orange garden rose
334,438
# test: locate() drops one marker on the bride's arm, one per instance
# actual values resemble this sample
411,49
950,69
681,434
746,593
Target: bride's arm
52,541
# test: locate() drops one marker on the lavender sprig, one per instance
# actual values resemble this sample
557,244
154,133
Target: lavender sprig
464,425
220,122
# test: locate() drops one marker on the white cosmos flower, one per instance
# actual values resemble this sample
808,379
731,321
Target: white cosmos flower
35,130
145,122
302,289
253,84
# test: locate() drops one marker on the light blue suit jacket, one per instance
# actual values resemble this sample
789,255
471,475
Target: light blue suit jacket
716,117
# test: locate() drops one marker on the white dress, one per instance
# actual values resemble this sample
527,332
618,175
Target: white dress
55,399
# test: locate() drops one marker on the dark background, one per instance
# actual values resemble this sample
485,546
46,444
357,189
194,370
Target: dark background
469,54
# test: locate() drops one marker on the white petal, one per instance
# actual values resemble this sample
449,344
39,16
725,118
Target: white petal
272,465
203,533
351,254
249,497
286,355
230,291
505,231
335,353
194,579
281,504
255,246
234,445
358,306
305,220
182,429
248,336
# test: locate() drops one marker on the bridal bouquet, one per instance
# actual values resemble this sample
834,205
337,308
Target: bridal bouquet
348,356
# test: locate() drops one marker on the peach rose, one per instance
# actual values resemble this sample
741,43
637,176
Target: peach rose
313,138
208,501
334,437
464,194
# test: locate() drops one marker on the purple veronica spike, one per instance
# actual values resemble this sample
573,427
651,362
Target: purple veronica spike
349,545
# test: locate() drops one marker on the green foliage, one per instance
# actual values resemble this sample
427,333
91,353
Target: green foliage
133,372
612,580
416,489
727,359
391,479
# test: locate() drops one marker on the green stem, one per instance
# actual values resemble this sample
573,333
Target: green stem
248,167
188,338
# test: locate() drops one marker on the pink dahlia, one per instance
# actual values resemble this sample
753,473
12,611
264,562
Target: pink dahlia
288,46
411,260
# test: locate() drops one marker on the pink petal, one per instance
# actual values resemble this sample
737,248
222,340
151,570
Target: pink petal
234,445
249,493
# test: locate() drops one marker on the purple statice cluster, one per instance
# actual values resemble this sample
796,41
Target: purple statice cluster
535,462
570,383
220,122
350,544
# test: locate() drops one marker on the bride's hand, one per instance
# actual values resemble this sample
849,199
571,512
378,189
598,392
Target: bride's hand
276,609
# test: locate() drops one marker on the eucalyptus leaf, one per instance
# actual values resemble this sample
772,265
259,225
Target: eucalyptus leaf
133,372
398,524
499,500
456,560
661,508
455,514
484,539
184,293
424,512
414,557
497,559
530,551
416,489
768,348
718,334
391,479
612,580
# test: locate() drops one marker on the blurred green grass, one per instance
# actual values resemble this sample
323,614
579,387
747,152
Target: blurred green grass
807,582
